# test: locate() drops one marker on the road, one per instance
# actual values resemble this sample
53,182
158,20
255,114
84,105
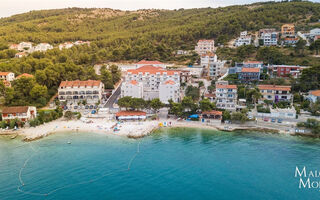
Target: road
113,98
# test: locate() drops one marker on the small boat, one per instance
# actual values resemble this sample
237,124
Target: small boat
69,142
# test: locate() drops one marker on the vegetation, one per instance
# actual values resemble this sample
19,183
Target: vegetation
130,103
193,92
45,116
312,124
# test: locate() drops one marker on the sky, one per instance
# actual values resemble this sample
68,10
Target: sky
11,7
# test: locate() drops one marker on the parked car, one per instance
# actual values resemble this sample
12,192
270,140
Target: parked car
273,120
91,106
86,107
65,108
95,107
279,120
266,119
75,107
93,112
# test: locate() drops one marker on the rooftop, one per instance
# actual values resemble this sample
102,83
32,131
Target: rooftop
169,82
274,87
130,113
134,82
251,70
25,75
4,73
77,83
315,93
212,112
253,62
15,109
226,86
150,62
206,41
151,70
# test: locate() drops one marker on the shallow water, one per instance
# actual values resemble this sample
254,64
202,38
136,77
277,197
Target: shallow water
172,164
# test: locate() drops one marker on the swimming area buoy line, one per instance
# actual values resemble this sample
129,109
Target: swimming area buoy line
35,151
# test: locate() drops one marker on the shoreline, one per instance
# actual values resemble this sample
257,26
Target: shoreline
131,129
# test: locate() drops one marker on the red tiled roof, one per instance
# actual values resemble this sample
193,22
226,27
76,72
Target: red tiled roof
208,54
315,93
274,87
251,70
170,82
212,112
226,86
291,39
151,70
130,113
210,95
150,62
15,109
25,75
77,83
4,73
134,82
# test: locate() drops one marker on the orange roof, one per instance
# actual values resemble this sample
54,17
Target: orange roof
151,70
291,39
170,82
209,95
251,70
210,54
315,93
147,62
4,73
274,87
77,83
130,113
16,109
134,82
226,86
212,112
25,75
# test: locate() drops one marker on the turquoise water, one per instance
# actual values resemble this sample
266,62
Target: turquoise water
173,164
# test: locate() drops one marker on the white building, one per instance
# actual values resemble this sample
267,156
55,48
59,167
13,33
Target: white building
151,77
286,113
275,93
24,46
75,91
207,59
169,90
79,42
204,46
270,38
8,76
226,95
244,39
314,96
154,63
66,45
42,47
314,32
23,113
132,88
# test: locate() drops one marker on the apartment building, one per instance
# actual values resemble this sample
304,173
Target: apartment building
269,37
286,70
226,95
204,46
23,113
43,47
248,75
244,39
151,78
75,91
287,30
7,76
275,93
132,88
169,90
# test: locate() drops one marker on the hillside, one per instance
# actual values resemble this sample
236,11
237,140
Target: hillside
172,29
122,35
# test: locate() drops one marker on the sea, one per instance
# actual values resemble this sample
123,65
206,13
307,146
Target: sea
177,163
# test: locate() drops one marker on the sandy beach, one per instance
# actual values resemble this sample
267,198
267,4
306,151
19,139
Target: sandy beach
132,129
